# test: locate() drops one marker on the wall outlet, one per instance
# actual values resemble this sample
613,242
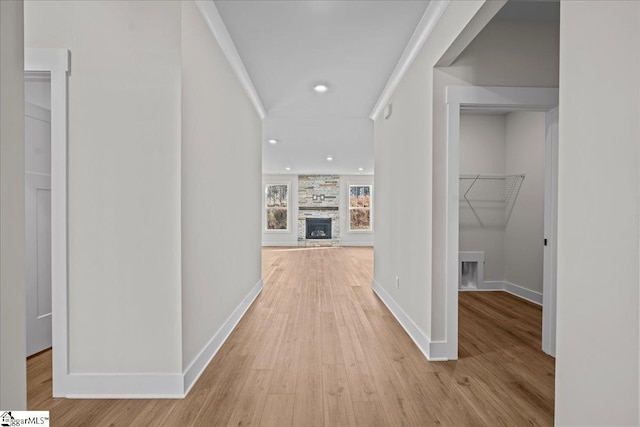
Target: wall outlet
397,282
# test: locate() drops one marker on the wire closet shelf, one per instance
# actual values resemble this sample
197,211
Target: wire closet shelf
497,189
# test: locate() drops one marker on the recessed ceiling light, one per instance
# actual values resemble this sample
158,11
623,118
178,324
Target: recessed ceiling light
321,88
287,168
361,169
273,141
329,158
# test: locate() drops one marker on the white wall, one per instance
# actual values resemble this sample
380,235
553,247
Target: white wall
221,138
530,49
524,232
37,122
482,150
13,374
403,178
280,237
505,53
598,209
38,92
124,180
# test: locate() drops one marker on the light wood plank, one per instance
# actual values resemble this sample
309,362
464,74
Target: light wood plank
285,374
370,414
267,353
278,411
331,348
395,402
338,407
317,347
360,378
252,398
308,405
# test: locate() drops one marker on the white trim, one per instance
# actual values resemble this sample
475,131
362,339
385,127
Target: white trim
438,351
425,27
513,289
37,76
491,285
124,386
452,222
57,62
432,350
540,99
522,98
524,293
550,260
215,23
202,360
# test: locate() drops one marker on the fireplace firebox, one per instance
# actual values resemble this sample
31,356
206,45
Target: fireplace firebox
318,228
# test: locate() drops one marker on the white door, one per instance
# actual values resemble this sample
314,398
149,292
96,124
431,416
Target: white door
38,227
550,232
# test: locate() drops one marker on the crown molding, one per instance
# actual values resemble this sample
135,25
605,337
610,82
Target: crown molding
425,27
215,23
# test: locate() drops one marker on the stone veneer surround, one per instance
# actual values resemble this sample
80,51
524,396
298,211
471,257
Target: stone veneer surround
326,189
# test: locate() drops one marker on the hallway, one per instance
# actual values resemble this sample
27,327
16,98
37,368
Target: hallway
319,348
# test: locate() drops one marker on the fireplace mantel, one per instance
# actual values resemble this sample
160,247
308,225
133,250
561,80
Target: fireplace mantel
318,208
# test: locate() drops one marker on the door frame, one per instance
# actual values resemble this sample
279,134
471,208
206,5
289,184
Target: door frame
57,63
516,98
549,290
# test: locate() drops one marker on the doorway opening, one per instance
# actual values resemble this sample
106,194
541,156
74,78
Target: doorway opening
37,194
488,211
46,74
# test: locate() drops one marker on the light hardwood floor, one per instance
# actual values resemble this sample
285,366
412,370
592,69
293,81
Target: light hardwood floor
319,348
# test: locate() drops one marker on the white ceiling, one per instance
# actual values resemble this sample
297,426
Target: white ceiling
288,46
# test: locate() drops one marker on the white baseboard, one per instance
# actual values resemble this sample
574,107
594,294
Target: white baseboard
513,289
202,360
280,243
524,293
156,386
347,243
438,351
433,350
124,386
491,286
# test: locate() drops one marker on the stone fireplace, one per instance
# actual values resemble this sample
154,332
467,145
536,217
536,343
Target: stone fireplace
318,210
